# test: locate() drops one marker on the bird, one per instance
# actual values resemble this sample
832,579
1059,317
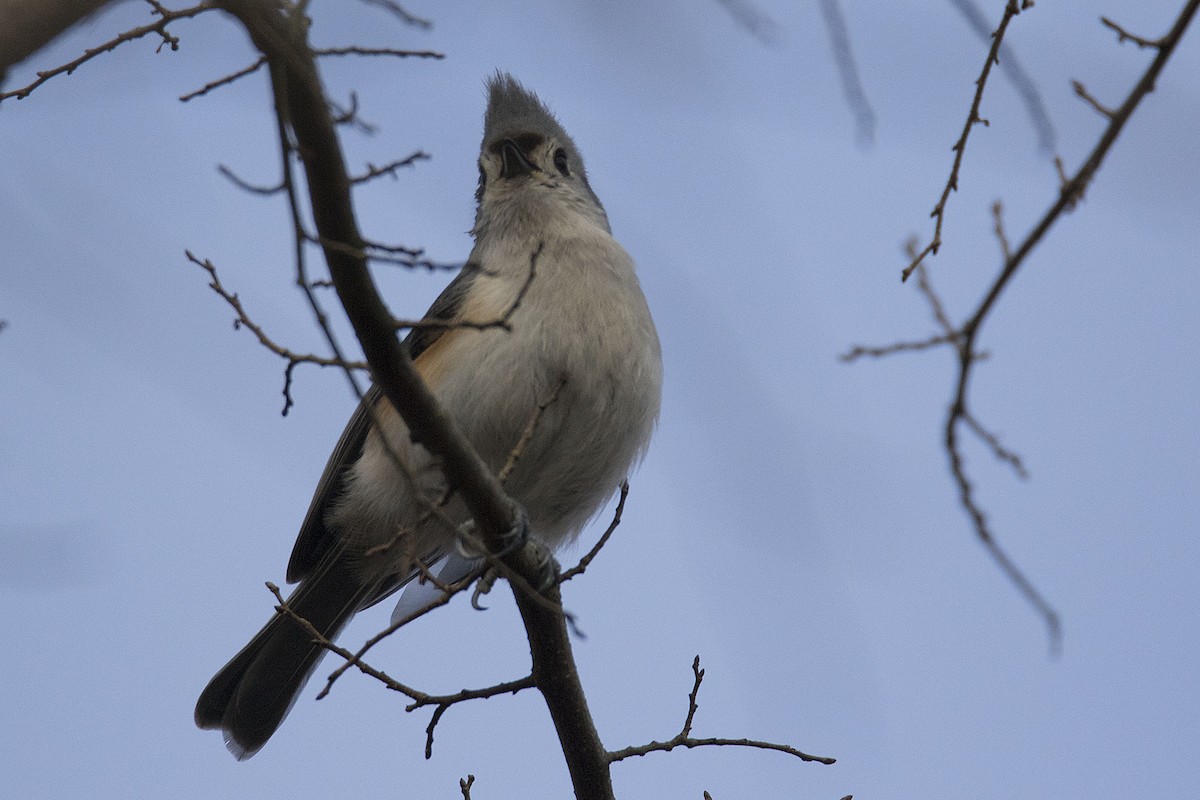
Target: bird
577,342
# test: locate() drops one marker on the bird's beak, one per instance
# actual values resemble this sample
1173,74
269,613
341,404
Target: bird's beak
513,161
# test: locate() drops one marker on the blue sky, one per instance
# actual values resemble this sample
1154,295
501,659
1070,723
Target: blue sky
794,524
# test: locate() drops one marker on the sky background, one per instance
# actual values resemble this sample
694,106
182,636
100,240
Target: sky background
795,523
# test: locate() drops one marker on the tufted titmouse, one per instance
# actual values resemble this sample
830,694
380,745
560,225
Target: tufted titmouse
579,335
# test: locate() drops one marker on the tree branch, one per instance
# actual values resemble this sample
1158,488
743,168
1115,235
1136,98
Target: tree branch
685,739
1011,9
166,16
243,320
1068,194
965,338
280,36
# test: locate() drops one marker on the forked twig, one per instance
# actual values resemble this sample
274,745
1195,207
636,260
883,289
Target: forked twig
685,739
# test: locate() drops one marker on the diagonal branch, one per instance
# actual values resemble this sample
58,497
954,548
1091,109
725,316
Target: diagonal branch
165,17
243,320
1068,194
1011,9
280,35
590,556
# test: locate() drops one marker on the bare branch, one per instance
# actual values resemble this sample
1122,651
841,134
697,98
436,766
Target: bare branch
321,640
243,320
404,15
959,411
1011,67
860,351
519,448
965,338
951,334
993,443
590,556
1082,92
1011,9
390,168
753,20
385,256
685,739
303,112
159,27
843,57
225,81
1125,36
354,50
246,186
444,702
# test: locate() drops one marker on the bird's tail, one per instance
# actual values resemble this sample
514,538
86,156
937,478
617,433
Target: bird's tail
249,698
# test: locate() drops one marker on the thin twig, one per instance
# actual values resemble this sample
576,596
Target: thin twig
518,449
1068,195
685,739
1100,108
246,186
1010,67
860,351
321,640
843,57
419,699
386,256
1125,36
753,20
355,659
390,168
443,703
243,320
586,561
225,81
404,15
1011,9
166,17
355,50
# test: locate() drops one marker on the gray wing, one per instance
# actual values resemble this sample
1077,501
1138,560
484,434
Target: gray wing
315,538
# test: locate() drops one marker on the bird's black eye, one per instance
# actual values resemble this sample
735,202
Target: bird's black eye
560,161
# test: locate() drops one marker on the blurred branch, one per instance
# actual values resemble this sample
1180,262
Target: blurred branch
1011,9
685,739
403,15
1125,36
1013,261
354,50
32,24
753,20
964,338
392,254
843,56
1082,92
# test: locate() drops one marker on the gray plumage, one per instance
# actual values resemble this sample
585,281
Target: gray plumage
581,328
